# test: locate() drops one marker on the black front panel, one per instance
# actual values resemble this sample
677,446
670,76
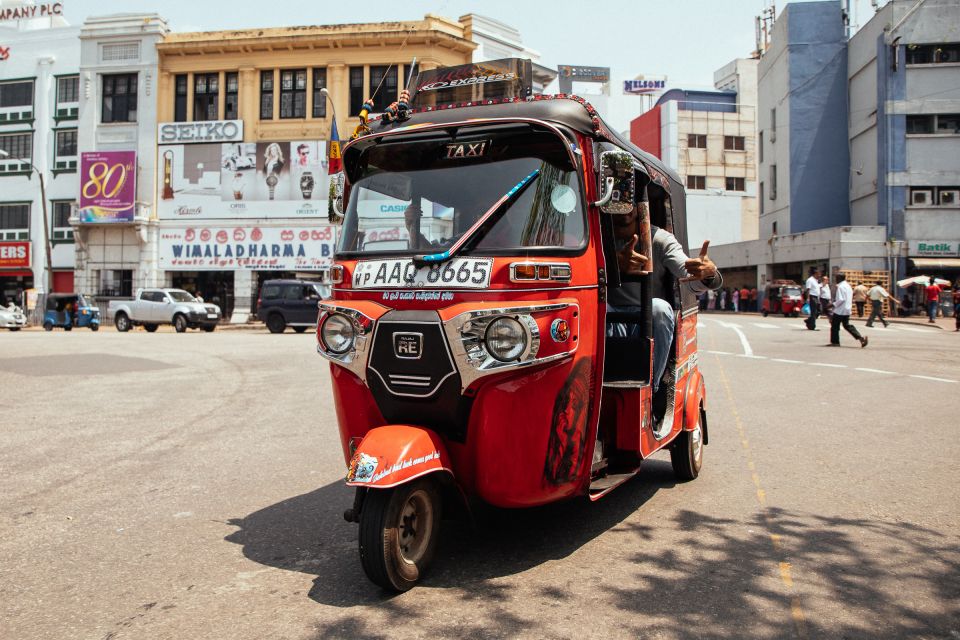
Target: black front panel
412,375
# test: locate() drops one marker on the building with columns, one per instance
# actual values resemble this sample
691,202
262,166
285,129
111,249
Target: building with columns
243,128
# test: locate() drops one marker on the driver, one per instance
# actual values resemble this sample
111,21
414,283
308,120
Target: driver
669,261
411,220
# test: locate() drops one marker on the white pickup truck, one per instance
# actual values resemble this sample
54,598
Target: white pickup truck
153,307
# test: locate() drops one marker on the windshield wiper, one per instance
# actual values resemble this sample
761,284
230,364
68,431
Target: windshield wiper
480,227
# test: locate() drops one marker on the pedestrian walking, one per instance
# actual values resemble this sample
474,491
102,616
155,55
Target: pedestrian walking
956,304
711,300
812,288
826,304
842,307
933,299
745,299
735,297
860,298
877,295
722,300
753,300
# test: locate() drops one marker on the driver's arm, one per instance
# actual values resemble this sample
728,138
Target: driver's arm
674,260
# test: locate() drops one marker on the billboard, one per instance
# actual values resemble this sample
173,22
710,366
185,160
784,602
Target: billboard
488,80
251,247
642,85
108,186
14,255
243,180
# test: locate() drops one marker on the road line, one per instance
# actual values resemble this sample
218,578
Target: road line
763,325
787,361
889,373
720,353
747,351
743,355
779,553
934,379
827,364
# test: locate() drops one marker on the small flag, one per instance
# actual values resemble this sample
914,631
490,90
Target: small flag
334,163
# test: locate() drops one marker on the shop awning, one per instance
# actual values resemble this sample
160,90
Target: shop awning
935,264
13,273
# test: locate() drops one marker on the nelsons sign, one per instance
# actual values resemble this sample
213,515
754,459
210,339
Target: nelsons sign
208,131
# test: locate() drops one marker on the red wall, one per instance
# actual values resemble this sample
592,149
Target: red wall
63,281
645,131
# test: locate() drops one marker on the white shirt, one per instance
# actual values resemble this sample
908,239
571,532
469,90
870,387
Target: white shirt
825,292
813,287
843,299
878,293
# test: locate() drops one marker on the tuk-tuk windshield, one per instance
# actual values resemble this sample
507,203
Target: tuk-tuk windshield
419,195
791,292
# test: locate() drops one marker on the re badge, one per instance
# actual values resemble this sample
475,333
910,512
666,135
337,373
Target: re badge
408,346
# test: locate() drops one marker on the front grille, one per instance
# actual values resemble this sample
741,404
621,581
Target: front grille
418,373
398,380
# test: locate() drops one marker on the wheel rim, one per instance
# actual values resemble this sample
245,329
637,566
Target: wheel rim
414,527
181,325
122,323
696,442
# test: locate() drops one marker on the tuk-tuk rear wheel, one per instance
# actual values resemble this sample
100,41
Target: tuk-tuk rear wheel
95,327
686,455
48,326
399,529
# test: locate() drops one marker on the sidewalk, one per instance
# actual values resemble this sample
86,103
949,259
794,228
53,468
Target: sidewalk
249,326
945,324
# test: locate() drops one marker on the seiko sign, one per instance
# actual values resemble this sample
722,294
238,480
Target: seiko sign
209,131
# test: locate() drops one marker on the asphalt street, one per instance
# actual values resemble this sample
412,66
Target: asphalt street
190,486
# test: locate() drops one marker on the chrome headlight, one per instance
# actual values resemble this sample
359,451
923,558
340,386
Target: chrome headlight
505,339
337,333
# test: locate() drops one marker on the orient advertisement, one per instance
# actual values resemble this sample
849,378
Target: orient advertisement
108,186
253,247
243,180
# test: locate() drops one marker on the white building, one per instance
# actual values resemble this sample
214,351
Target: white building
38,133
118,113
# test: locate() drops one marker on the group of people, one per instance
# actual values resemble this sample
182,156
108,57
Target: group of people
727,299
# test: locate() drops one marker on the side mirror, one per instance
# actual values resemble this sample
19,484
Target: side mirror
617,182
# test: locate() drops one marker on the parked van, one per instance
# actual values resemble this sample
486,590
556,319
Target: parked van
288,303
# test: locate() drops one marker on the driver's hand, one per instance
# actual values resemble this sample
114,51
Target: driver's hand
701,268
630,261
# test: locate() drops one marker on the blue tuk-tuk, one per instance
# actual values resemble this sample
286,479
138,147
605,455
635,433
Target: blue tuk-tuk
69,310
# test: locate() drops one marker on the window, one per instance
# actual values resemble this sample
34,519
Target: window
293,93
773,125
733,143
116,282
119,98
62,230
934,196
65,150
18,145
761,199
773,182
736,184
180,98
773,228
760,147
266,95
933,53
120,52
319,100
384,77
696,182
696,141
356,90
206,96
231,103
16,94
945,123
15,221
68,89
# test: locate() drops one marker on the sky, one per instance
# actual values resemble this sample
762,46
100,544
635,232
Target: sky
686,40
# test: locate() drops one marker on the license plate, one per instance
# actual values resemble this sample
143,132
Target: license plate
212,316
459,273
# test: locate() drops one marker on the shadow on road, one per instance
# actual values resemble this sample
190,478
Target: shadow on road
693,575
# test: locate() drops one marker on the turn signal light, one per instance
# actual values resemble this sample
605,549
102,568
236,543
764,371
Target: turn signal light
524,271
549,271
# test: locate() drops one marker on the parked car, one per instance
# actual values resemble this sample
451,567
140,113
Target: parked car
289,303
69,310
11,317
153,307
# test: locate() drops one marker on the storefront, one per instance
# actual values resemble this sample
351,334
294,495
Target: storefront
16,278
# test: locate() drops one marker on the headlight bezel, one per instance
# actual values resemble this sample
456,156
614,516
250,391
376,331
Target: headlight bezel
516,352
348,322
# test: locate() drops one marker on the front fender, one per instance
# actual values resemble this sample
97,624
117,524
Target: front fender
394,454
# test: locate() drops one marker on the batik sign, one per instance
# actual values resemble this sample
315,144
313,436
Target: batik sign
108,186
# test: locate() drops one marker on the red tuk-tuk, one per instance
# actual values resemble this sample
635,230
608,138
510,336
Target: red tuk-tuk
783,296
472,361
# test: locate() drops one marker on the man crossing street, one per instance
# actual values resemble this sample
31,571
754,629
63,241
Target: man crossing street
842,308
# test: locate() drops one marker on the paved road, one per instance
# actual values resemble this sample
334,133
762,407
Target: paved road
189,486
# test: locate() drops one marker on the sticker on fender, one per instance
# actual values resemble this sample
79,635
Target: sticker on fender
458,273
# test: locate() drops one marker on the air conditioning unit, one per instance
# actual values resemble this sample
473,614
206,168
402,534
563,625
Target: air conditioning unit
921,197
949,197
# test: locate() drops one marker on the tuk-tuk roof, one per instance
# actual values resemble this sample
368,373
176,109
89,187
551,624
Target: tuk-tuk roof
572,112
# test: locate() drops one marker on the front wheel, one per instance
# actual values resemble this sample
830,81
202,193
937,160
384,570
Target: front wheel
686,455
399,529
796,314
48,326
764,313
276,323
209,328
180,323
150,328
95,327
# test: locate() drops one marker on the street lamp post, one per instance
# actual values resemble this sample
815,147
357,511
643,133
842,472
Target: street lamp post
48,281
333,108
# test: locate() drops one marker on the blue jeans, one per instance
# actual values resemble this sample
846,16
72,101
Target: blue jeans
664,325
932,310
